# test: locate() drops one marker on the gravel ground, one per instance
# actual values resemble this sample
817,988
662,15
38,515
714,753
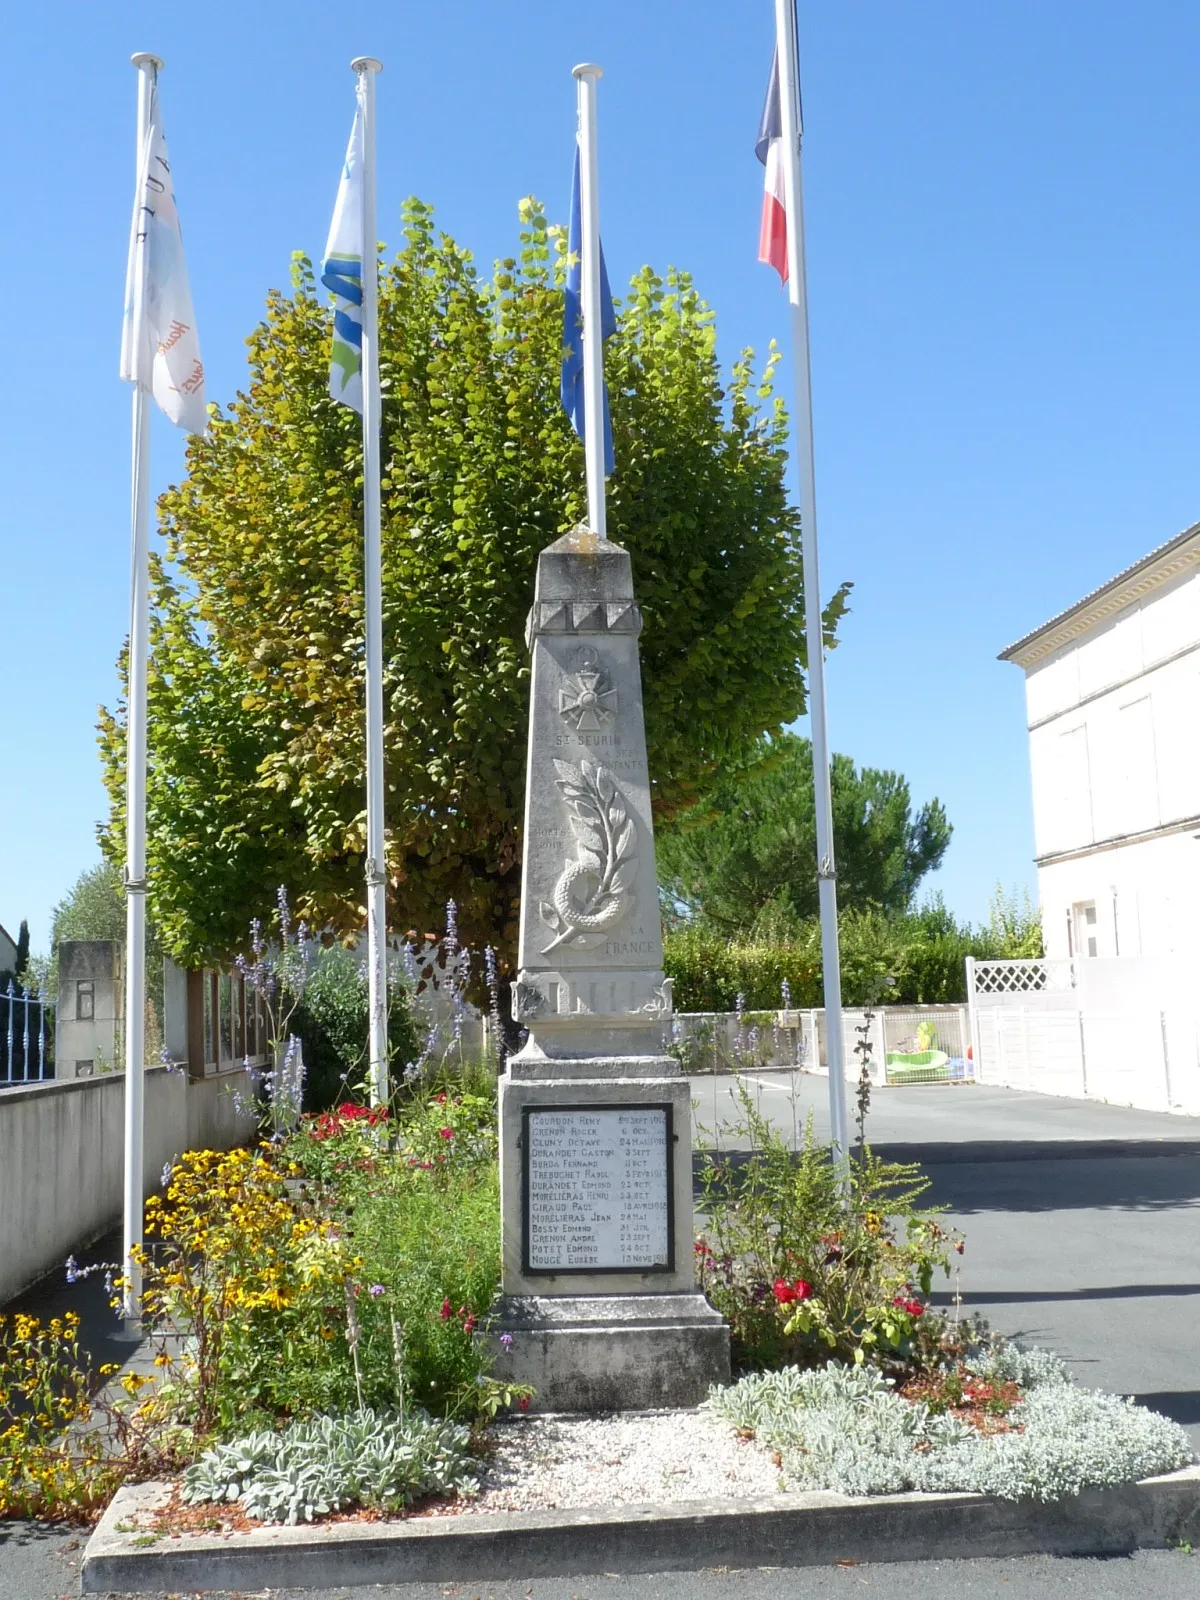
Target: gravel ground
545,1462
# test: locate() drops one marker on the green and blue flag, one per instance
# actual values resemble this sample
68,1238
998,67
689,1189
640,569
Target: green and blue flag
341,272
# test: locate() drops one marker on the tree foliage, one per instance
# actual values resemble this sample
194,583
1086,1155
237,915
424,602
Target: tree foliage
94,908
256,736
21,973
752,845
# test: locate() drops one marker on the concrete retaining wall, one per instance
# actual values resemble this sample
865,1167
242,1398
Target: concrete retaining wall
62,1153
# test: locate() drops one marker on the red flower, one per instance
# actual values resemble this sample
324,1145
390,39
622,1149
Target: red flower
803,1289
447,1309
440,1098
914,1308
523,1402
783,1291
446,1133
469,1324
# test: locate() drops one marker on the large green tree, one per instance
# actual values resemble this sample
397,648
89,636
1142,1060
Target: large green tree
256,739
752,844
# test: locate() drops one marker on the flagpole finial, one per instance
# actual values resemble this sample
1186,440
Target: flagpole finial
587,69
366,64
145,58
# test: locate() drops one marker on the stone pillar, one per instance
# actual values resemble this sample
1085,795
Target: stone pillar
88,1023
598,1289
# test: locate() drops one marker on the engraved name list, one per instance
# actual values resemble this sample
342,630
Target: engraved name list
598,1181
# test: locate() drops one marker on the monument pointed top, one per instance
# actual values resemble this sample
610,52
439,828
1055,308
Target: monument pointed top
581,541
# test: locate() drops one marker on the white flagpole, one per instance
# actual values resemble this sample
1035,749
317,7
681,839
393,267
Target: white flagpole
587,76
789,106
380,1089
148,67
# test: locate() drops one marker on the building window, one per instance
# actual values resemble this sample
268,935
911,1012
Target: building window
1086,931
210,1020
85,1001
225,1017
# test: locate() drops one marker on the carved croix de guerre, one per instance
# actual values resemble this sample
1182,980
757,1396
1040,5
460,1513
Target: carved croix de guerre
587,699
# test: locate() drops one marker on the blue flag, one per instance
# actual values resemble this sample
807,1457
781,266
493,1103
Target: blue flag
572,368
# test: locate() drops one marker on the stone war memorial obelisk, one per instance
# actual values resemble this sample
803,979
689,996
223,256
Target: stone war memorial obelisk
598,1293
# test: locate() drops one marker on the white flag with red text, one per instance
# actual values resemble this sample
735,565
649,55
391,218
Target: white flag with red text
160,350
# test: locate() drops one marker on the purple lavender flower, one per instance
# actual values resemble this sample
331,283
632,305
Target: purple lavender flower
376,1289
506,1339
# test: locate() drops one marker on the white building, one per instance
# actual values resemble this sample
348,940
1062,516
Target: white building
1113,699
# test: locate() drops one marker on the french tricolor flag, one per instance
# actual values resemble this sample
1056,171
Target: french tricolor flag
768,147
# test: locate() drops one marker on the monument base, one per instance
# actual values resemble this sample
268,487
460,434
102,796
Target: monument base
618,1352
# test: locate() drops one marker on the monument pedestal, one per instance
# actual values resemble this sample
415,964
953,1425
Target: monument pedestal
598,1306
615,1352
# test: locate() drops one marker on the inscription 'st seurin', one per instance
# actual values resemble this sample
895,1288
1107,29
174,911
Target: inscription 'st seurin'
590,965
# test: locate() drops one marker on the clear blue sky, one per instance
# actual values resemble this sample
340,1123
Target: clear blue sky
1004,265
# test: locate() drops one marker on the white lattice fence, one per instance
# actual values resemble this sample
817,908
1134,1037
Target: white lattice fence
1035,1025
1039,976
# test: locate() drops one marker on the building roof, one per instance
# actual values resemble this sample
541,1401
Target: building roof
1134,583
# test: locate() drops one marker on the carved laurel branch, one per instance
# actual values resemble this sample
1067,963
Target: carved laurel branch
605,840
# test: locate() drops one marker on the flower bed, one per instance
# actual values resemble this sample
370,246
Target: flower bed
848,1429
324,1294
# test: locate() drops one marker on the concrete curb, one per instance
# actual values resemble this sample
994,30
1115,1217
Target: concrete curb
784,1530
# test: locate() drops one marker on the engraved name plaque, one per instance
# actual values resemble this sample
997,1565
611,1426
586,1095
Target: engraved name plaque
598,1183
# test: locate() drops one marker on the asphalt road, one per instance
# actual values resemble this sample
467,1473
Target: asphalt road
941,1120
44,1565
1082,1223
1082,1234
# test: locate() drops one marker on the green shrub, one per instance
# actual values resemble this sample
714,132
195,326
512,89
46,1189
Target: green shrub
845,1428
332,1023
312,1468
917,958
804,1272
419,1224
348,1267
